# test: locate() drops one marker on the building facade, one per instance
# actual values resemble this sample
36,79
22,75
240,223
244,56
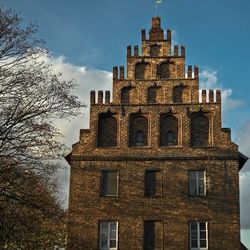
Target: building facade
155,170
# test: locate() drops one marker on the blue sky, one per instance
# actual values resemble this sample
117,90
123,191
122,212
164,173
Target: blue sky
89,37
95,34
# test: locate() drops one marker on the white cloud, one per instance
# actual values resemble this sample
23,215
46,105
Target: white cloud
209,80
87,79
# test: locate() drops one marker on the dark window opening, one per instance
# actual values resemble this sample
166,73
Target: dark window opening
170,138
152,94
125,95
109,183
168,130
178,94
138,130
107,130
140,70
153,183
140,138
153,235
154,50
163,70
199,130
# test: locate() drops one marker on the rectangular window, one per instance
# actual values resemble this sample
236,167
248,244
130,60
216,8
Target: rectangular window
153,183
109,183
198,235
108,235
153,235
197,182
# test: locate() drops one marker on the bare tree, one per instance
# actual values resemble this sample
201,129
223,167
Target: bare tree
31,97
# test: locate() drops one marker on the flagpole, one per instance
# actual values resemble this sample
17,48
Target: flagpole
155,8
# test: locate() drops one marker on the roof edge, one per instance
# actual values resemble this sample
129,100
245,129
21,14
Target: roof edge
242,160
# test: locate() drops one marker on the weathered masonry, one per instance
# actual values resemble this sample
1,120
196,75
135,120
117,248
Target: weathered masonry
155,170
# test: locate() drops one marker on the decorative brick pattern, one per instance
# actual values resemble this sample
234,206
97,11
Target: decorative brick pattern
111,144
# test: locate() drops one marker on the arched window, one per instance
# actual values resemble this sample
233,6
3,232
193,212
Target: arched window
154,50
163,70
141,70
125,95
168,130
152,94
178,94
199,130
107,130
138,130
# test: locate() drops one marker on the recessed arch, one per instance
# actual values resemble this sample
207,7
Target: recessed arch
152,94
199,130
141,69
125,95
107,130
138,130
164,70
154,50
178,93
168,130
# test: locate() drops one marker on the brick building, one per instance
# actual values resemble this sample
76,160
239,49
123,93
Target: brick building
155,170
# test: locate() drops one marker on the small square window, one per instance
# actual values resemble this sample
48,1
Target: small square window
109,183
197,183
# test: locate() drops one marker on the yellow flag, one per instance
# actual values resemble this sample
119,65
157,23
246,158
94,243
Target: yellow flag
158,1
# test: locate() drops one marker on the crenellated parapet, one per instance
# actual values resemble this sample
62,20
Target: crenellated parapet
100,99
210,96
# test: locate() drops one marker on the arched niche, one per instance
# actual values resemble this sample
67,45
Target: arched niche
178,93
141,70
199,130
168,130
138,130
107,130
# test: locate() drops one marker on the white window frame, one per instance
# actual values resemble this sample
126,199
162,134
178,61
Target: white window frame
198,235
197,183
109,236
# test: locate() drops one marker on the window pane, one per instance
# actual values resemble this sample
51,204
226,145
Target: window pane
113,230
194,226
109,182
203,243
170,138
194,243
203,235
192,175
192,186
194,234
104,234
201,174
112,243
201,190
202,226
139,138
